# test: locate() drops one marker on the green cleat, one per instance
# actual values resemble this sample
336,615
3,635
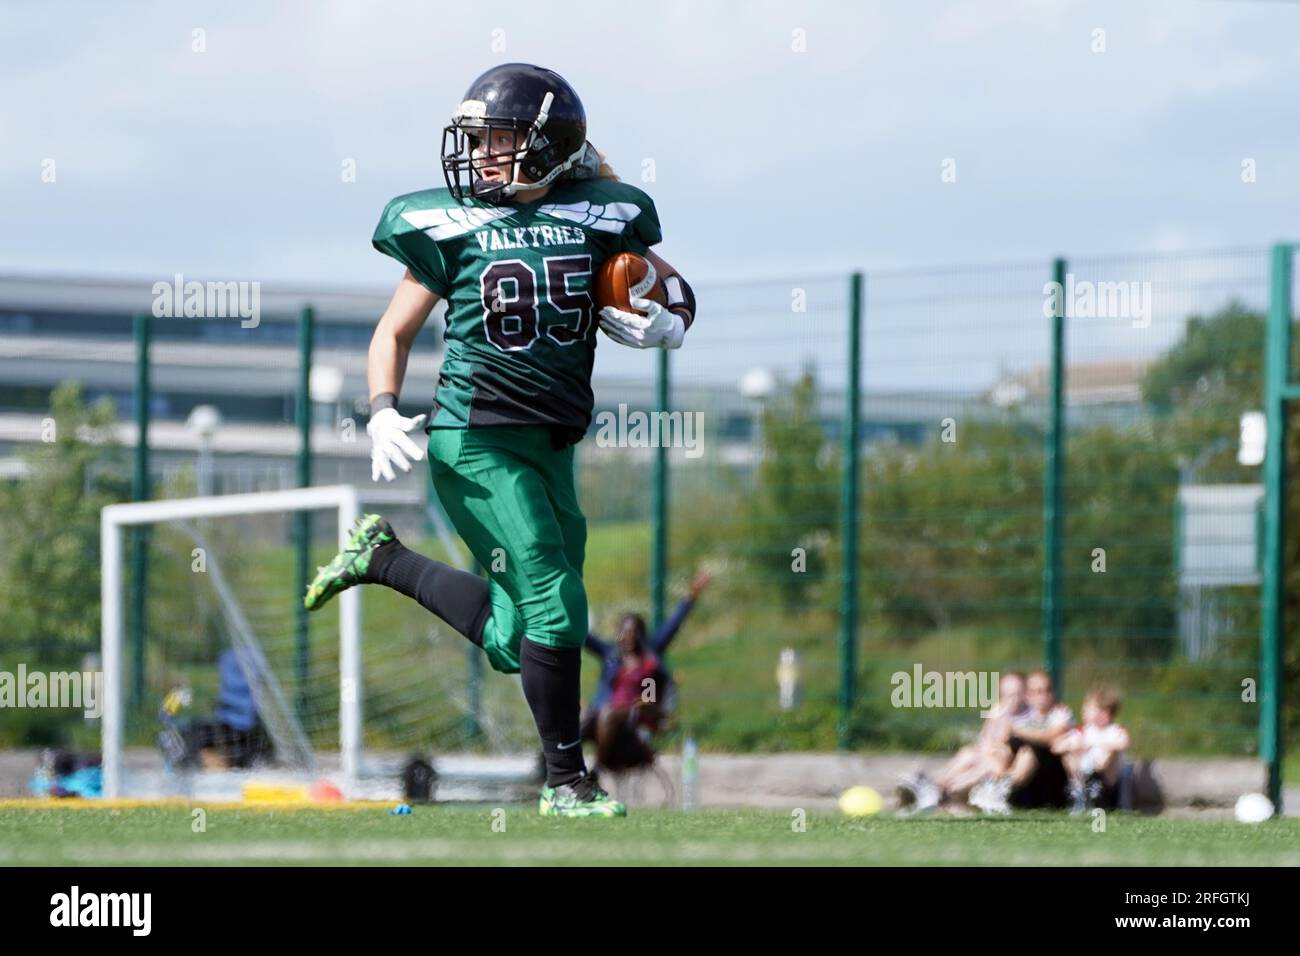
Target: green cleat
582,798
349,566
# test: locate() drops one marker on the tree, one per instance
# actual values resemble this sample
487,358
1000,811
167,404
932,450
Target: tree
796,500
1219,357
950,531
50,555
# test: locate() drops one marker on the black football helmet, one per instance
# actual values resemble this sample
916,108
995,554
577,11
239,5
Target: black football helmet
546,123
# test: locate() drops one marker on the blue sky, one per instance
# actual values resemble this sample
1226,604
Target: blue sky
227,163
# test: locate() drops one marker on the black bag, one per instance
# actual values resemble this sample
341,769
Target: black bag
419,781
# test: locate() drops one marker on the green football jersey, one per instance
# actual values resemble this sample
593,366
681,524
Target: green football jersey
518,280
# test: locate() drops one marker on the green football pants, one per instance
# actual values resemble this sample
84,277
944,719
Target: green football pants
510,495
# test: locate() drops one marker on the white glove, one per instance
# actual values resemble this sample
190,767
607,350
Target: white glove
389,444
658,328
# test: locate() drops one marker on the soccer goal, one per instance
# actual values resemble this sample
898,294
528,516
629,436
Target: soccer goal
331,703
205,591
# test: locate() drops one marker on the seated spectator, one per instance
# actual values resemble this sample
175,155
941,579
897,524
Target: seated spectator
987,758
233,737
1094,753
1035,776
636,690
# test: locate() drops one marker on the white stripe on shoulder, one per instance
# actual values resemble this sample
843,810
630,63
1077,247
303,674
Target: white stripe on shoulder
611,217
441,223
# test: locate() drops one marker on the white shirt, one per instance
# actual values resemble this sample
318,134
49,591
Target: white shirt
1058,716
1094,745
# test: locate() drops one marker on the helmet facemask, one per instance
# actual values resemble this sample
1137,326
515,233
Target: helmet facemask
534,155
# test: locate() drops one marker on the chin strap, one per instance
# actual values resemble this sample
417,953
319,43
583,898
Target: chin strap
538,122
587,163
515,186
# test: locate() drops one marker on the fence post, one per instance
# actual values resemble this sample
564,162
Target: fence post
659,504
849,516
1053,471
302,519
1277,389
140,491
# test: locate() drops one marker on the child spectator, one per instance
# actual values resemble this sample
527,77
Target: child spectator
1094,753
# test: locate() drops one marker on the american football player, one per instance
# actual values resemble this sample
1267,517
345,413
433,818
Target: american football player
529,213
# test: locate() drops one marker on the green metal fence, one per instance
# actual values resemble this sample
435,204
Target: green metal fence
1010,497
906,473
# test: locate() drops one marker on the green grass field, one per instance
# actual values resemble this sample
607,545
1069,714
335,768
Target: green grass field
466,835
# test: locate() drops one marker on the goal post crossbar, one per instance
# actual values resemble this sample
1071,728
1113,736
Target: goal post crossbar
113,518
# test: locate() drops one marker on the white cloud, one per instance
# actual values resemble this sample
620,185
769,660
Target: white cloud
169,157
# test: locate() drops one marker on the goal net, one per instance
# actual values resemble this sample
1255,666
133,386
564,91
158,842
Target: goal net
221,612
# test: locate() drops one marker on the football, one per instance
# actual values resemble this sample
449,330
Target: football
627,276
860,802
1253,808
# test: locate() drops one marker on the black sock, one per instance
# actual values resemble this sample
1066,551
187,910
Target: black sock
552,686
458,597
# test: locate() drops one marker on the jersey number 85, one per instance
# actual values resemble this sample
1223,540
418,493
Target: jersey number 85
512,307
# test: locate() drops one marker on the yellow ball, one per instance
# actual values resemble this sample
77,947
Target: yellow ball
860,802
